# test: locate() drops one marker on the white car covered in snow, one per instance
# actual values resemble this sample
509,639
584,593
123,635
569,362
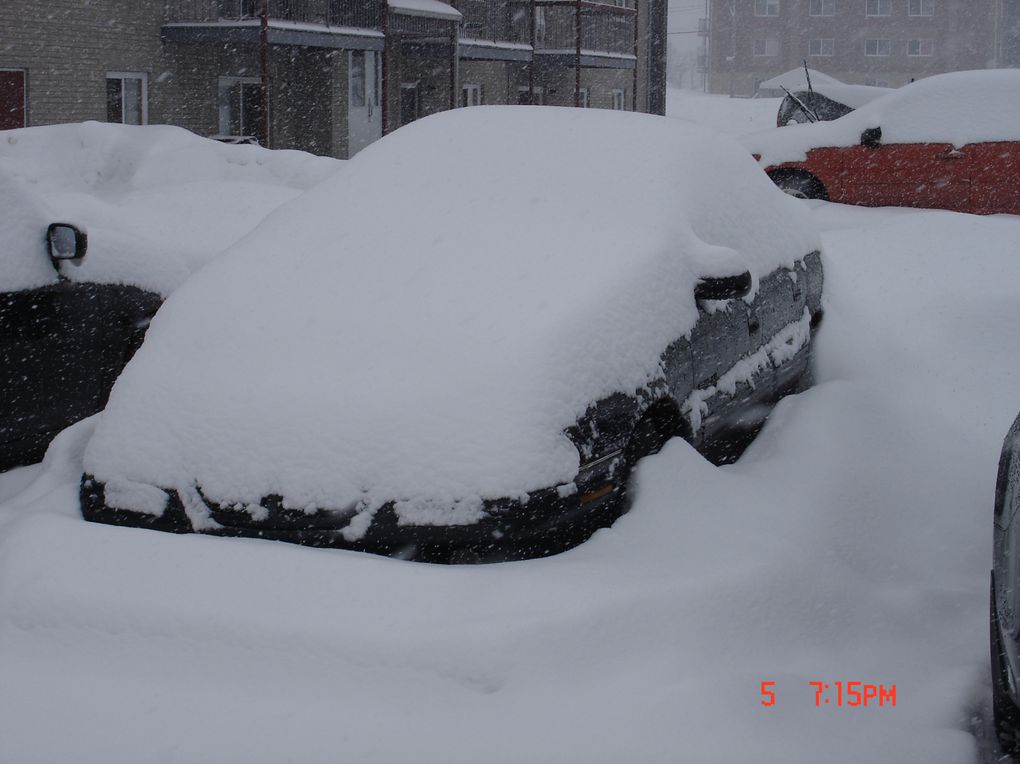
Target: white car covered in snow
460,347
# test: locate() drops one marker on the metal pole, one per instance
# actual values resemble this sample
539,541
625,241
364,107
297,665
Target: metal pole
385,66
453,65
264,65
531,64
577,60
637,59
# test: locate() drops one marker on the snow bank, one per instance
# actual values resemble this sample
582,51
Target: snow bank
157,201
532,261
851,542
957,108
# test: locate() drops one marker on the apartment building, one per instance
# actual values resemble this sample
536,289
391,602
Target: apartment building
875,42
334,75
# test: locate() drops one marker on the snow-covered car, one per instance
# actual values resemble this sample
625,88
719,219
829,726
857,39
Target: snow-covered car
1005,596
477,372
142,208
951,141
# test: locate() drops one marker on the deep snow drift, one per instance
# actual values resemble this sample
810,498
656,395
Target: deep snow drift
438,361
851,542
157,202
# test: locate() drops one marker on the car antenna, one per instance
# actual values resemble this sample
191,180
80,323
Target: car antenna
803,106
807,75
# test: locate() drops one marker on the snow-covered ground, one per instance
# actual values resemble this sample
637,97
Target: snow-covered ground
850,543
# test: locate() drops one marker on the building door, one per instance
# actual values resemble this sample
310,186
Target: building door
364,112
408,102
12,98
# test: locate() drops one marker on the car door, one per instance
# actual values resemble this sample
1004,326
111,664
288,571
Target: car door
932,175
61,348
995,177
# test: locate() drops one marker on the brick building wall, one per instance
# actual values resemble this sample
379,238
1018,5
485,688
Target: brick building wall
747,46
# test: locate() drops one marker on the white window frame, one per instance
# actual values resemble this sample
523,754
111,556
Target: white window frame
540,26
619,99
220,82
471,94
766,8
144,77
539,94
878,5
822,46
920,48
770,49
878,48
821,5
921,7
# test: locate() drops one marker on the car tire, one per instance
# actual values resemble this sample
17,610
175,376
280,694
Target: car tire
801,185
1005,714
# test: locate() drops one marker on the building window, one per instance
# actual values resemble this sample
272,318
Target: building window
524,96
539,25
878,8
358,82
241,107
822,47
877,47
619,97
766,47
920,47
584,98
471,95
921,8
822,8
127,98
239,9
766,7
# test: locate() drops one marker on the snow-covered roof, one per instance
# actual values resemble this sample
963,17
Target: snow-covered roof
157,202
957,108
428,8
424,325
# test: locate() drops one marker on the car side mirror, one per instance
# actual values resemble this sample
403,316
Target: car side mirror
66,242
723,287
872,138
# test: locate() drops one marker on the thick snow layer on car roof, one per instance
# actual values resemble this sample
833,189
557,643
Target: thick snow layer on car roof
423,326
157,202
851,95
957,108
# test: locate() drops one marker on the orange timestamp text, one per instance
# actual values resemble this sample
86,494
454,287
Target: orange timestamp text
840,694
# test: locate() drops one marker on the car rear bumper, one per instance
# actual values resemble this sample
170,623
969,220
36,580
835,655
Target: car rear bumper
546,524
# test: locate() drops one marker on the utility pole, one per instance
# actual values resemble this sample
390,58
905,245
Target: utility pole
264,66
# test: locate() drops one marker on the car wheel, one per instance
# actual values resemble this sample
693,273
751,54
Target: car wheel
801,185
1005,714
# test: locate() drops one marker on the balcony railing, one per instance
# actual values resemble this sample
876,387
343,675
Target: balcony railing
604,28
367,14
495,20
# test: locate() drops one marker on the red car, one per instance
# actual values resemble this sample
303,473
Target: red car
951,142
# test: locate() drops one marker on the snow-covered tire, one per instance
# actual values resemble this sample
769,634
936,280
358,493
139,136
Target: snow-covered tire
1005,714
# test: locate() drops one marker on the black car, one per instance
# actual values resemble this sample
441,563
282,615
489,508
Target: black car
62,345
328,398
1005,596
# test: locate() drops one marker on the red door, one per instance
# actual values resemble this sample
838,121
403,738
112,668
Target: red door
12,99
995,177
907,175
